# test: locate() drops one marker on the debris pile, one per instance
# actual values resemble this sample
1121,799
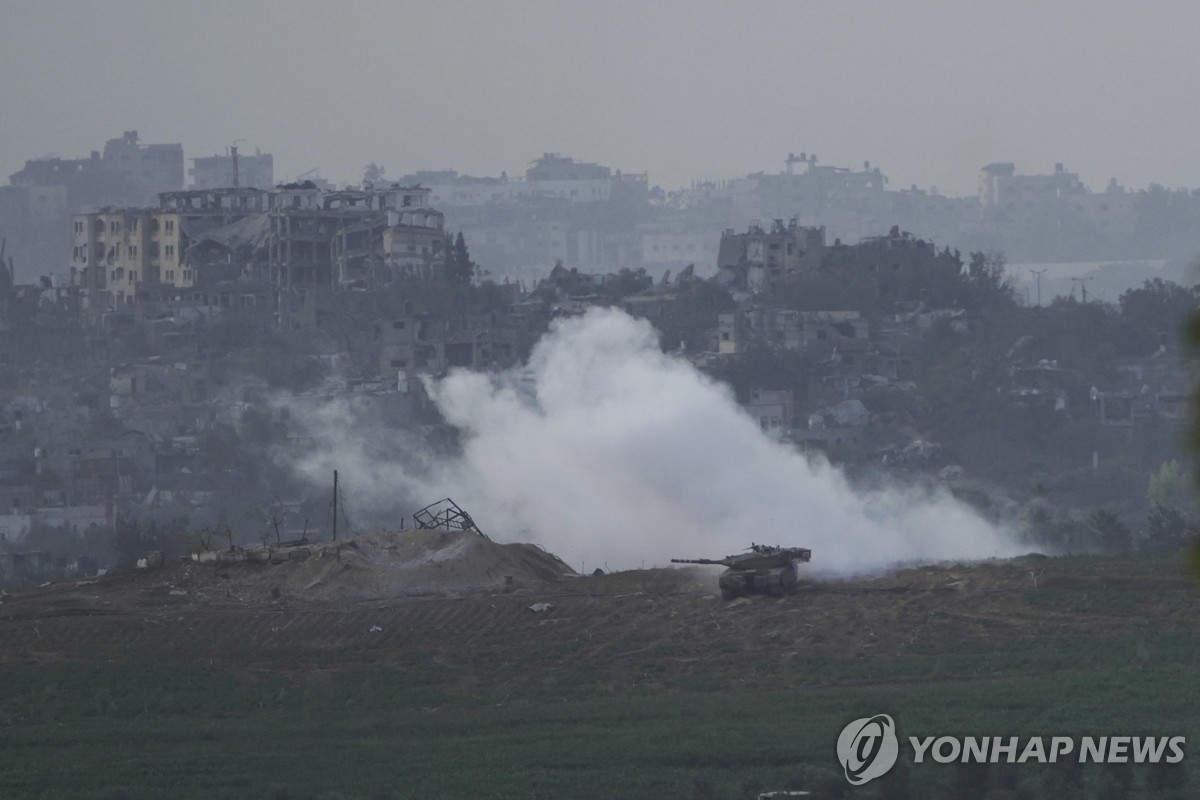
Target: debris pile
411,562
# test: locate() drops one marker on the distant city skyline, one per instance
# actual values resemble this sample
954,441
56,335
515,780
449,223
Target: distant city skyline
929,91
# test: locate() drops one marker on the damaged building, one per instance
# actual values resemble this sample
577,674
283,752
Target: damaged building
751,260
427,343
787,329
352,238
120,256
293,238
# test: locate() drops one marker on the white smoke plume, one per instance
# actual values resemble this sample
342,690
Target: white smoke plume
606,451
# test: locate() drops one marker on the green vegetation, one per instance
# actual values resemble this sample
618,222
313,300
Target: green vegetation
467,714
181,733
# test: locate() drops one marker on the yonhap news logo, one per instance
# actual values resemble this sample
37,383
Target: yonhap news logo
868,748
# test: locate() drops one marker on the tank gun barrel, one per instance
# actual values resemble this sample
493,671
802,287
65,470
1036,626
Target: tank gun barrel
698,561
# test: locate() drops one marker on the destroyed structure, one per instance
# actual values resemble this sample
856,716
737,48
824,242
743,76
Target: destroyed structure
752,259
446,515
287,240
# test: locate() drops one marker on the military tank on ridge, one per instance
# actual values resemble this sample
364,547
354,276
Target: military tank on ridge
765,569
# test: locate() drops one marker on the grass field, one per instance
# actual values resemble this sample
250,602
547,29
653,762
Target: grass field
633,700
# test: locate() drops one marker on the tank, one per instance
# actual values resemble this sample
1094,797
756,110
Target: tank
765,569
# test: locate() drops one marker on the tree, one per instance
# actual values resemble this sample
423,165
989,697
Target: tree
460,269
276,516
134,537
1167,528
1159,306
373,173
987,286
1193,340
1172,516
223,528
1110,533
128,539
1170,486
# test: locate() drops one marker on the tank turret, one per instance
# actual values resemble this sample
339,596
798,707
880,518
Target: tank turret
765,569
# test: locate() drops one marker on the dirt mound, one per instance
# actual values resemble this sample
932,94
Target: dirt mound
404,563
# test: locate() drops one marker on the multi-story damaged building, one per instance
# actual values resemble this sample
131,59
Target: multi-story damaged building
414,242
116,251
352,238
295,237
221,235
752,259
898,267
121,255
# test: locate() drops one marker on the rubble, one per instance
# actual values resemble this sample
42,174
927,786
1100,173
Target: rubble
418,561
848,413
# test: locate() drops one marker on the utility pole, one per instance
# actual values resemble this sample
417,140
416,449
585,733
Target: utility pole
335,494
1083,285
1038,274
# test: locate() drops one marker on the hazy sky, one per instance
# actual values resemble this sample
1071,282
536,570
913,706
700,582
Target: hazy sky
927,90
